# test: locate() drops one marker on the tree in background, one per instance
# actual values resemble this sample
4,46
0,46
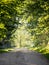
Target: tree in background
22,36
35,12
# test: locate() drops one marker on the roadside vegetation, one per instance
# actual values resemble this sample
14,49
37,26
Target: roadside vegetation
43,50
24,23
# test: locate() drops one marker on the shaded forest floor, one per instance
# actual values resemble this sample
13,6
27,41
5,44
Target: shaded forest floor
22,56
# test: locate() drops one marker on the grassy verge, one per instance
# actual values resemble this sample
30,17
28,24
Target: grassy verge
5,50
43,50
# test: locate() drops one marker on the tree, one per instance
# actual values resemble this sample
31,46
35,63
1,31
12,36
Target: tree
36,12
23,37
39,21
8,22
8,14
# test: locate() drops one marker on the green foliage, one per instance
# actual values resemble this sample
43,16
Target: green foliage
34,12
5,50
47,55
38,20
22,36
8,21
42,49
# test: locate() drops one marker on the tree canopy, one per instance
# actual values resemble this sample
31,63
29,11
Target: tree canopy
8,21
34,12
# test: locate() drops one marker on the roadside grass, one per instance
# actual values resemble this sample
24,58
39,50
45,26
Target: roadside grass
5,50
43,50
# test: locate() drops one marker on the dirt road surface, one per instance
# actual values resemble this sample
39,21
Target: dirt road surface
22,57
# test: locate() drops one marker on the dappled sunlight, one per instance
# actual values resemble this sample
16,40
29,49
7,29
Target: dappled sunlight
2,26
6,1
24,24
22,36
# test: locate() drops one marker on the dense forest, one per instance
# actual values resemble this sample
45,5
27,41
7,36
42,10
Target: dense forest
24,23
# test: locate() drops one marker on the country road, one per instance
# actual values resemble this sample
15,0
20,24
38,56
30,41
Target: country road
22,57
